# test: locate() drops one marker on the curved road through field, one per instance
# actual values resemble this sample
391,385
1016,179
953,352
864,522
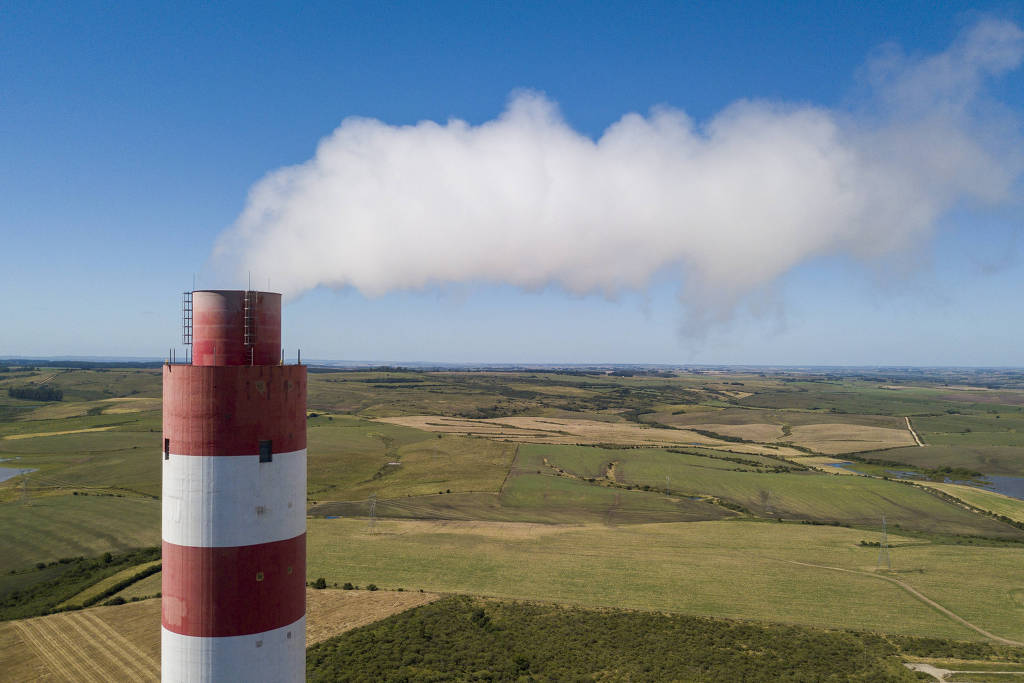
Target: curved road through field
920,596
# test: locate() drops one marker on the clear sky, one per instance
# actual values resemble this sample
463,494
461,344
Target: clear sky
131,135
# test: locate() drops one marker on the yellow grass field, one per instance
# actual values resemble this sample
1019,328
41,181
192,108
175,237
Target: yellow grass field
106,583
555,430
145,588
15,437
122,643
106,406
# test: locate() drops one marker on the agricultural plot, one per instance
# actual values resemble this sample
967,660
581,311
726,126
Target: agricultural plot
573,431
725,569
99,644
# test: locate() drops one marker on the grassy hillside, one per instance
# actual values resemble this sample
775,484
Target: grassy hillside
58,526
733,569
806,495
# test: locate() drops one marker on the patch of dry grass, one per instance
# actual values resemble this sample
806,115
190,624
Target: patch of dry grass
15,437
330,612
824,463
765,433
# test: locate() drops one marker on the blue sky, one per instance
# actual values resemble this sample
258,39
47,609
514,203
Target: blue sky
131,135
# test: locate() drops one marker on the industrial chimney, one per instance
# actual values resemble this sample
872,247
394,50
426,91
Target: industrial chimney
234,494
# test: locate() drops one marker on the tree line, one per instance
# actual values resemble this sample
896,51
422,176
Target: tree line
36,393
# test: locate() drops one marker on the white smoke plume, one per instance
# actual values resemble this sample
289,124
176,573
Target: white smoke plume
727,205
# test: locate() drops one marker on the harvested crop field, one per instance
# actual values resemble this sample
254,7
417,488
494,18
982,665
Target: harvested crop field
847,438
122,643
101,644
565,431
330,612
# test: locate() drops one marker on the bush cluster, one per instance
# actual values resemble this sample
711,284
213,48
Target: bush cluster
460,638
36,393
62,579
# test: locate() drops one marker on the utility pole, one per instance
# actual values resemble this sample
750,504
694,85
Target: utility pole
373,513
883,551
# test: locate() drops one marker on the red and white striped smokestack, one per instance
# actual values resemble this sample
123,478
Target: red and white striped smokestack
234,495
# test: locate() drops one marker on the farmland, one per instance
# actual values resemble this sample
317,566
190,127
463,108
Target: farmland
706,493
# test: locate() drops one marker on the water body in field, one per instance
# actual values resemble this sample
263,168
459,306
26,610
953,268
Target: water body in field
11,472
1008,486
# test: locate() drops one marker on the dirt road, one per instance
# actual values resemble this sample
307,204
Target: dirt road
917,439
920,596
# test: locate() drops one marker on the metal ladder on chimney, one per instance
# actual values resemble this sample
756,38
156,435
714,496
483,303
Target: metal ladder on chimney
249,323
186,322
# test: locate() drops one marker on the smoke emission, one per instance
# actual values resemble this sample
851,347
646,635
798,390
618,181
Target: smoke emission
725,205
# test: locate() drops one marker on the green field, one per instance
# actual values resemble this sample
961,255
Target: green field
349,459
56,526
1004,460
731,569
807,495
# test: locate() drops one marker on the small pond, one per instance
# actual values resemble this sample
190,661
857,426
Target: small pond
1008,486
12,472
